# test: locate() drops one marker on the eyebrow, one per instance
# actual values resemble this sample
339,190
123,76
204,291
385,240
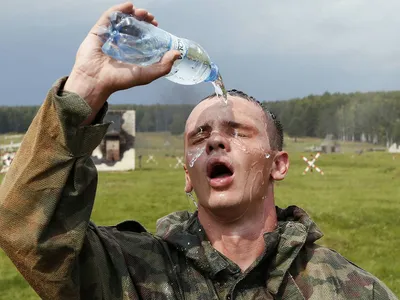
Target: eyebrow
237,125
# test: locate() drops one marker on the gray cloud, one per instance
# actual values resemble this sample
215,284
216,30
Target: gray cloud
271,49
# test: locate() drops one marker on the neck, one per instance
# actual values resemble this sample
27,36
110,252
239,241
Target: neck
241,240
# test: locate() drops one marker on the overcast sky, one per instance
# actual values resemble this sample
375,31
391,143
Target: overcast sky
271,49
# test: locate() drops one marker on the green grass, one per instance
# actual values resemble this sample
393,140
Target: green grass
356,204
6,139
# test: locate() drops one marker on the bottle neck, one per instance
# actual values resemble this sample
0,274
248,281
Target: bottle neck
213,74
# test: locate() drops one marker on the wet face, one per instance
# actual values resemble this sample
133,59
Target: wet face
229,161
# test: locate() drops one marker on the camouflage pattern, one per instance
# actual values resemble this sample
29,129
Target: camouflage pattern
45,204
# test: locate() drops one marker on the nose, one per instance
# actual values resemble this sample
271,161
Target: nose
217,142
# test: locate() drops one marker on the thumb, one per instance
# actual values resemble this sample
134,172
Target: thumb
163,67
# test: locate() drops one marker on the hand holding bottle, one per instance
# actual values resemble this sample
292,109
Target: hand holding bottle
95,76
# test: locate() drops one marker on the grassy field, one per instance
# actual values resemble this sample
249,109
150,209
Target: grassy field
6,139
356,203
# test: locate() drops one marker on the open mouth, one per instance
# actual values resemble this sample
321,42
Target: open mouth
220,172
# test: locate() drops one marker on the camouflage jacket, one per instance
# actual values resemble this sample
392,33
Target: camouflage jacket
46,200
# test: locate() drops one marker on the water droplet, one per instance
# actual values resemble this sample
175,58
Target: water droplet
268,155
196,154
241,146
188,243
190,196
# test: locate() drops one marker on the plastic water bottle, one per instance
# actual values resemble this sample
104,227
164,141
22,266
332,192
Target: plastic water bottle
130,40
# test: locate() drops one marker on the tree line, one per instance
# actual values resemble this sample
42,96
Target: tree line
372,117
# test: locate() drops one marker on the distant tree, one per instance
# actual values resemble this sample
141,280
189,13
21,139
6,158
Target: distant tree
146,123
178,124
373,116
396,131
296,127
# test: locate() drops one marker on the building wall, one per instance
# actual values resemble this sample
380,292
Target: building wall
394,148
120,134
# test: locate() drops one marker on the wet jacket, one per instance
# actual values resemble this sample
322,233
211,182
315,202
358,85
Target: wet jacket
45,204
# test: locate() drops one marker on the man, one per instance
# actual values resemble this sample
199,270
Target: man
236,246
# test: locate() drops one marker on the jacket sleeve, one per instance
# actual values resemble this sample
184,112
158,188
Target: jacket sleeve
46,199
382,292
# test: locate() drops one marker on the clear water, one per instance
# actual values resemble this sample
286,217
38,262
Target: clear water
195,155
195,67
130,40
191,197
220,88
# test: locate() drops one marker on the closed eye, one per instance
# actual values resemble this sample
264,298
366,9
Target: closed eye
239,133
199,138
239,129
199,134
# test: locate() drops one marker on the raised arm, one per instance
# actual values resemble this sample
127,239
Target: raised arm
47,195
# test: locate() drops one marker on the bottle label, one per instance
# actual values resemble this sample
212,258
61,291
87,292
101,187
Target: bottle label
180,45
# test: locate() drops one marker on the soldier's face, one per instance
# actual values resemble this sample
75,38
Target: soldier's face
227,152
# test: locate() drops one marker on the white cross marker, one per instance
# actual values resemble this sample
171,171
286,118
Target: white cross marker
151,158
311,164
179,162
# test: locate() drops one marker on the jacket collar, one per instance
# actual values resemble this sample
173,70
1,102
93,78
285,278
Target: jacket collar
295,228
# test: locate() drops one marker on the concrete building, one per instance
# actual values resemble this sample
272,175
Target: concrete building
116,151
394,148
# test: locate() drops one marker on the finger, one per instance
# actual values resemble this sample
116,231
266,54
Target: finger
163,67
141,14
170,57
149,18
154,22
126,8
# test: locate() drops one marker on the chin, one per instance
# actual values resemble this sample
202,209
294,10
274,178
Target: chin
223,200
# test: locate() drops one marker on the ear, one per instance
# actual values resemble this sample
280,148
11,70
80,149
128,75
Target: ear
280,166
188,182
